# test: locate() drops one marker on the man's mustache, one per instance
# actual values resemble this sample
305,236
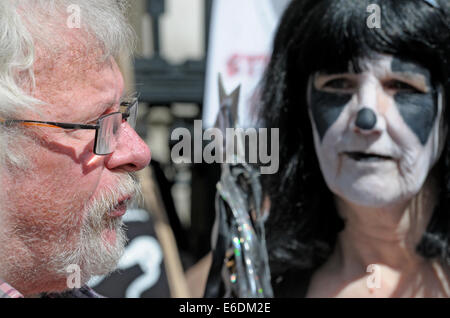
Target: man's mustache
125,191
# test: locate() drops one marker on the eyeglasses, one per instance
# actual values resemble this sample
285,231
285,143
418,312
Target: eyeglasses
107,127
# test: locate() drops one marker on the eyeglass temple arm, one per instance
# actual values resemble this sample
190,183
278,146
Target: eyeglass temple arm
51,124
125,106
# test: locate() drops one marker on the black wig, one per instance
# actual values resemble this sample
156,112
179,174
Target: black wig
316,35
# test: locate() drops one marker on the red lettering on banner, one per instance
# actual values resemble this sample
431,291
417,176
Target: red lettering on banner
245,64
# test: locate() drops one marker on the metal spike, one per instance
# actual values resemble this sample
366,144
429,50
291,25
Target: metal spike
433,3
228,116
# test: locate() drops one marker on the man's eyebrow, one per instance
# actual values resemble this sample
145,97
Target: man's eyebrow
105,105
123,97
101,107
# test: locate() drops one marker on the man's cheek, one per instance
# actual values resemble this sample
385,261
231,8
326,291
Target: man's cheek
50,204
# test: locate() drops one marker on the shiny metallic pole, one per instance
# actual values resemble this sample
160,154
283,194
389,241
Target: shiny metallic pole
240,262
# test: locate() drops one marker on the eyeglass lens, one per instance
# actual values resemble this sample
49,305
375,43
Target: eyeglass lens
133,111
109,130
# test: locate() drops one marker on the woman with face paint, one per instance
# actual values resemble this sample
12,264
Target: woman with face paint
361,202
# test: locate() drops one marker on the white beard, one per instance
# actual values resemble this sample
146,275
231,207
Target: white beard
38,261
93,253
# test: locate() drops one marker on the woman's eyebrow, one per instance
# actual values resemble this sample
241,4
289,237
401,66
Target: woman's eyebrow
334,72
416,78
409,75
321,78
410,70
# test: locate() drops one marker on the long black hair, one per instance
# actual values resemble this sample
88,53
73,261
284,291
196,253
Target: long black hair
316,35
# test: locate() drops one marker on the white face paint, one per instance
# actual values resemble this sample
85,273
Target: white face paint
383,154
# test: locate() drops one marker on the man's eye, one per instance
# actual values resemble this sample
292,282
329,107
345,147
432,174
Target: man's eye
340,83
403,87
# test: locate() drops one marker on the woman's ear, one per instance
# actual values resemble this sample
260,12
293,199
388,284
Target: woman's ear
309,89
443,125
265,207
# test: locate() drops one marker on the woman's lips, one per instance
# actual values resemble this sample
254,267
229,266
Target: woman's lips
362,156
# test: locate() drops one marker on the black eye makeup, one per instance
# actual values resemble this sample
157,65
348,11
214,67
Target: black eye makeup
328,97
409,84
340,84
418,108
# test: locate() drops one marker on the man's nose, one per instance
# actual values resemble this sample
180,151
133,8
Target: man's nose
131,153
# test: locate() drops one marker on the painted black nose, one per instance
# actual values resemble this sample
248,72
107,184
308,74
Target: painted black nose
366,119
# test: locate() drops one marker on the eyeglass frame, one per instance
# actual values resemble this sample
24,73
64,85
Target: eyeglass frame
125,114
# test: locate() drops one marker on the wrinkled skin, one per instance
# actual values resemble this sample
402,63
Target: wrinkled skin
43,208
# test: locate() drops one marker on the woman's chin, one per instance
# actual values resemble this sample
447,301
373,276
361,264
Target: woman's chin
372,197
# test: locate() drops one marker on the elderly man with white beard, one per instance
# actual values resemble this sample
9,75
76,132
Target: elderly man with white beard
68,148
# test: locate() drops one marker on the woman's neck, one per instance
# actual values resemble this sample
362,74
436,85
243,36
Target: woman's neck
380,244
386,235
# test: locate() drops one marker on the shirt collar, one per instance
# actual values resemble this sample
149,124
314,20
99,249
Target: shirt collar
7,291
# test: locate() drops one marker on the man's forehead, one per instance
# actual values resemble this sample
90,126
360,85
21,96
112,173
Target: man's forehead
81,85
69,63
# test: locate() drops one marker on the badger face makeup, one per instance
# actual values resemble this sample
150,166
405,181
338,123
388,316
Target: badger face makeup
378,132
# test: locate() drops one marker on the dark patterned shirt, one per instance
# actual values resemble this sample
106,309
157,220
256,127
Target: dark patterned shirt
7,291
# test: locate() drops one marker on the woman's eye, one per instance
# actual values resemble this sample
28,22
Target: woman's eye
401,87
340,83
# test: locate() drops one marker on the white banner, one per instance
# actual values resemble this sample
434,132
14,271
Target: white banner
240,44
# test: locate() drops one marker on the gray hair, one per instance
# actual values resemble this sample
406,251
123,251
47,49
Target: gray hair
27,23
